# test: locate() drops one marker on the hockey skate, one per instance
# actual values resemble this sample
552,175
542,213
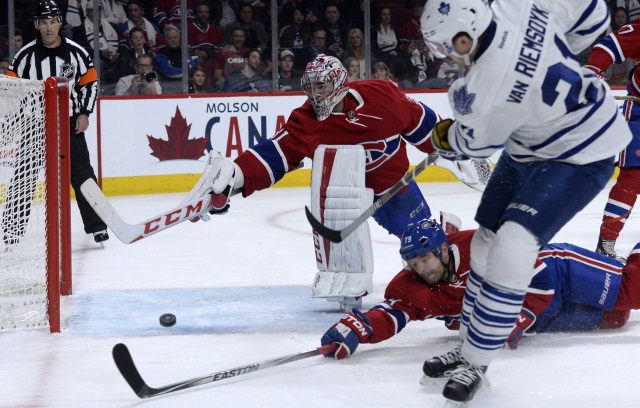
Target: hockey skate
606,247
436,367
464,381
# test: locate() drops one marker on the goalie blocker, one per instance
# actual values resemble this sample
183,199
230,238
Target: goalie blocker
338,196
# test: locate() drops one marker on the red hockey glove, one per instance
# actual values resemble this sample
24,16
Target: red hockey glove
440,140
525,320
352,329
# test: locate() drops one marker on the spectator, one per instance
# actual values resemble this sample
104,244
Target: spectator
385,41
230,58
353,69
18,41
107,36
296,34
222,12
74,16
113,11
168,12
632,7
382,71
197,80
288,79
143,82
422,67
449,70
169,60
355,49
337,31
129,51
256,36
204,39
619,18
248,79
4,64
411,29
135,10
316,47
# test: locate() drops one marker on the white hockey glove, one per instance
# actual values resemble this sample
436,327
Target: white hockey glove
219,178
474,173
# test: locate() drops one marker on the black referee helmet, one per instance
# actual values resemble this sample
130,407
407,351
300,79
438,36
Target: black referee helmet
47,9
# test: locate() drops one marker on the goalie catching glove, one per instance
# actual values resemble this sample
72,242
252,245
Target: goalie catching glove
352,329
440,140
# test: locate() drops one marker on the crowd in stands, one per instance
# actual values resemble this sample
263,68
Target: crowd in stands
229,42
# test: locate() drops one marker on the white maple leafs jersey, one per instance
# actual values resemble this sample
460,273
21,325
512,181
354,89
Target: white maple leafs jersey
527,93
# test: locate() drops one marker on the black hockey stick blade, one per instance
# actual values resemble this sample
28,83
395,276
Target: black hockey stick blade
128,369
339,235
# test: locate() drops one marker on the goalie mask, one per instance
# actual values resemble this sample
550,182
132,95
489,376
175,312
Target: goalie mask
324,83
422,237
442,21
47,9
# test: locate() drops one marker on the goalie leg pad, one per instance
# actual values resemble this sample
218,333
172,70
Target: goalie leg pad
338,196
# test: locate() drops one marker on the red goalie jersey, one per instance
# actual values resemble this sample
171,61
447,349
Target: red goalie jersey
614,49
376,115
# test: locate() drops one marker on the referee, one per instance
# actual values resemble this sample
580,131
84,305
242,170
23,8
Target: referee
53,55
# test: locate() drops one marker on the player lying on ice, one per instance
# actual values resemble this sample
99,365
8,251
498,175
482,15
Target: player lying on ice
574,289
356,134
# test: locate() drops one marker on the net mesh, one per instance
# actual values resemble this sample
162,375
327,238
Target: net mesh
23,249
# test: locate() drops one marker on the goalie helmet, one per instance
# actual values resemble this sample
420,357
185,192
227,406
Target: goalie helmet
324,83
47,9
422,237
442,21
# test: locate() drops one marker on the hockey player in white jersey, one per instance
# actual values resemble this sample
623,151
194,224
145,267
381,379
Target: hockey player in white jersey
560,128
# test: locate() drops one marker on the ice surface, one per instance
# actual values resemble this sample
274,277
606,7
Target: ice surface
240,286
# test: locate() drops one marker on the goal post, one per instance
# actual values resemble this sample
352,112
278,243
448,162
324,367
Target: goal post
35,245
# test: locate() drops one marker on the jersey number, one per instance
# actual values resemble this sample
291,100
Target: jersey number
560,72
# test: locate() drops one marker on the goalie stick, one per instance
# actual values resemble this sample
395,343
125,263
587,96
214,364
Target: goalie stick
197,205
339,235
194,208
127,367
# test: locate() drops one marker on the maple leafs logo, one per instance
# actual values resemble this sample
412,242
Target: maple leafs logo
462,100
178,146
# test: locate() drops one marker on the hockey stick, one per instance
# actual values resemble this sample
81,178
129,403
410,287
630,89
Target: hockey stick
128,369
339,235
627,98
197,207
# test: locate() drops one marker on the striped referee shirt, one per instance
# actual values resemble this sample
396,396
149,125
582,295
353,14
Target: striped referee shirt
68,60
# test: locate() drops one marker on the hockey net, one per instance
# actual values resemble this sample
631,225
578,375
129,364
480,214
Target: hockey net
34,218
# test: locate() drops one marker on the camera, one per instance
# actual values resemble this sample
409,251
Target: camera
149,77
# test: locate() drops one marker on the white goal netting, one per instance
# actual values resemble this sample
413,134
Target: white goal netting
23,248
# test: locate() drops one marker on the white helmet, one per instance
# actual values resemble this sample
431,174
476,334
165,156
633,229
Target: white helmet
323,71
441,21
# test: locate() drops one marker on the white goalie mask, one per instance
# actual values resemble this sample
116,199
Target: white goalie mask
324,83
441,21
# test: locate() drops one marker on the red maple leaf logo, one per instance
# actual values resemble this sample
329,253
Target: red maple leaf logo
178,145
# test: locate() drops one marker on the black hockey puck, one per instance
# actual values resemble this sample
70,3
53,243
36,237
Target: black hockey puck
167,320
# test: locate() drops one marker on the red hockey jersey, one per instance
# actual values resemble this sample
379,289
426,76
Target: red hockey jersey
614,49
408,297
376,115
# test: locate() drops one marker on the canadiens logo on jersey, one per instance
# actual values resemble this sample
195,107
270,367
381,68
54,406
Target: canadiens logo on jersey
67,71
380,151
463,100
